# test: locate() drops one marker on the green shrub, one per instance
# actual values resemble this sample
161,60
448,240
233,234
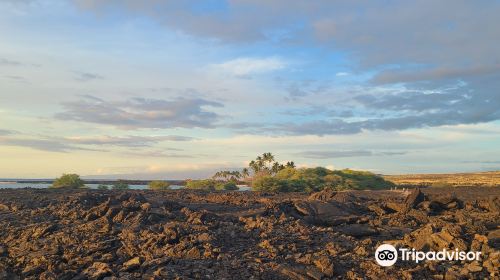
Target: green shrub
68,181
273,184
207,184
227,186
102,187
159,185
315,179
121,185
363,180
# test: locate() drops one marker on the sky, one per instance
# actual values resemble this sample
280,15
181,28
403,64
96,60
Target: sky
179,89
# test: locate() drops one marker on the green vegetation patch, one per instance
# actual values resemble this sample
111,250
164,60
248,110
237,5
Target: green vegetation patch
68,181
207,184
159,185
315,179
121,185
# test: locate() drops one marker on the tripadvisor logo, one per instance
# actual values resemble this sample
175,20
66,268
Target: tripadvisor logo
387,255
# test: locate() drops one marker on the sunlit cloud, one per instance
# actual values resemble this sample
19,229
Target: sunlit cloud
242,67
142,113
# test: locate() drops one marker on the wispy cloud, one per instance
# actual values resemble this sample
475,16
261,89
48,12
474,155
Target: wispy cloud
16,78
334,154
243,67
160,154
126,141
142,113
304,88
8,62
347,153
86,76
66,144
482,161
43,144
4,132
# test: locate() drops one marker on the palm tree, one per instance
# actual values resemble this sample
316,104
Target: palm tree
277,167
216,175
290,164
245,173
268,158
254,166
233,175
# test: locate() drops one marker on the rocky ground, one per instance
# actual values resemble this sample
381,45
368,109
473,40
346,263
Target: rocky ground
91,234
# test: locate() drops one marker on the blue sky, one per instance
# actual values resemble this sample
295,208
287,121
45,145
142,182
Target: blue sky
177,89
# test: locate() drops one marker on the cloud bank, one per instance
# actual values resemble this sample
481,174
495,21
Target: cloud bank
142,113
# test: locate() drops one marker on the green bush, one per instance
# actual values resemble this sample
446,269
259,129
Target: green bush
315,179
68,181
159,185
226,186
102,187
121,185
207,184
273,184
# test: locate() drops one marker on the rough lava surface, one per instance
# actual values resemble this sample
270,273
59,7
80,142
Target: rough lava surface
91,234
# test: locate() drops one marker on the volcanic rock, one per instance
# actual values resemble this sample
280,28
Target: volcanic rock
132,264
90,234
413,199
98,270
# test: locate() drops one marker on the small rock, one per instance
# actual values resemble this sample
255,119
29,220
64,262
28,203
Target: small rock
3,251
474,267
98,270
314,273
494,239
294,273
194,253
357,230
132,264
325,264
146,206
204,237
413,199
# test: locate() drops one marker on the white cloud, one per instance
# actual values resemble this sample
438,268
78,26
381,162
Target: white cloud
246,66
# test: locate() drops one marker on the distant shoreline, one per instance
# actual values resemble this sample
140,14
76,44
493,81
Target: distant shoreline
487,178
490,178
97,182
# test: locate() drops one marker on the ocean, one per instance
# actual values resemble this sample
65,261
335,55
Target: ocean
36,185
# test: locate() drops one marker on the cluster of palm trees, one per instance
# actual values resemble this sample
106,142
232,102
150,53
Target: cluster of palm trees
267,164
228,176
264,164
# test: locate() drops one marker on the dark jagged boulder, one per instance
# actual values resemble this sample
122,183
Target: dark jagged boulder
413,199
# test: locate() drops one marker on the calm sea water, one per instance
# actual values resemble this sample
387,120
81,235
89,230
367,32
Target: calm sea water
11,185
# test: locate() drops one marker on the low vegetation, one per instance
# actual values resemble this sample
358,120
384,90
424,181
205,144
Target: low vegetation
159,185
206,184
102,187
121,185
319,178
226,186
211,185
263,174
266,174
68,181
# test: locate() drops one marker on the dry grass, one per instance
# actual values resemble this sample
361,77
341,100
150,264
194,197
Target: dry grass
491,178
